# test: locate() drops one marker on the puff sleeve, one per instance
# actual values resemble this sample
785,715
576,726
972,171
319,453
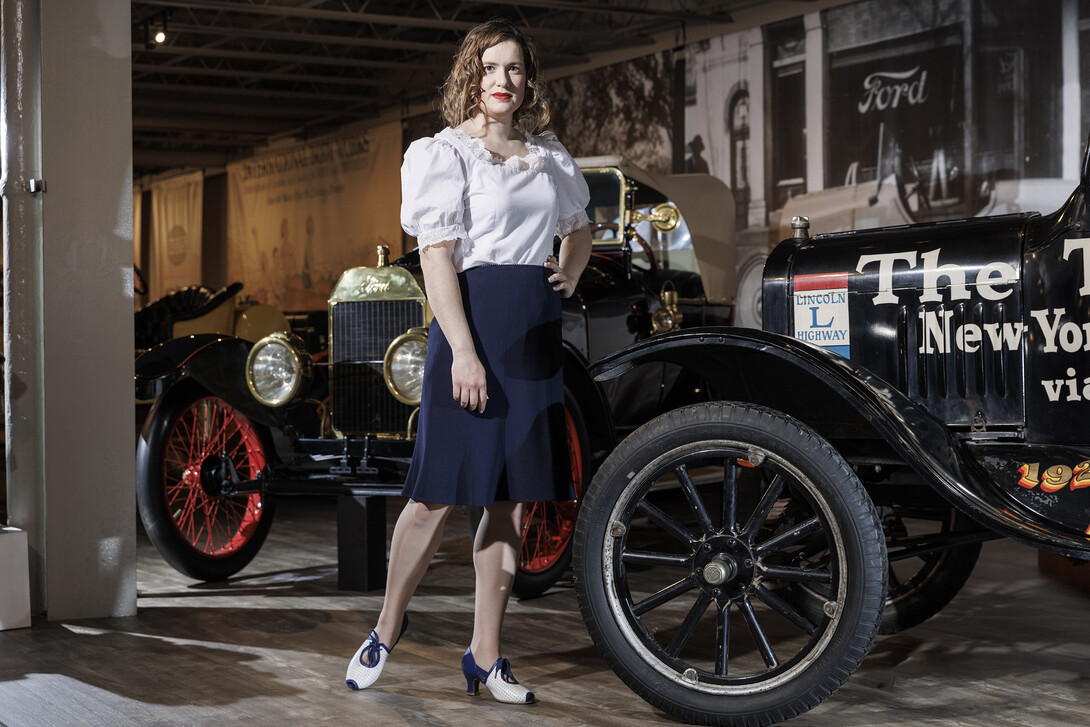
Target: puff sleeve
433,184
571,189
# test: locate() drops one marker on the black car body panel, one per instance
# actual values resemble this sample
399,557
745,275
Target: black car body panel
960,346
847,403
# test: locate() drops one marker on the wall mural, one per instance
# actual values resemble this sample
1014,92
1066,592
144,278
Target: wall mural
622,109
914,110
297,218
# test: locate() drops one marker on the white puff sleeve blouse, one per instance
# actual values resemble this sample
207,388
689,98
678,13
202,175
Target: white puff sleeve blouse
491,211
432,187
572,192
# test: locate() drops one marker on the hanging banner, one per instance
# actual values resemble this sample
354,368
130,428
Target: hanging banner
175,252
299,217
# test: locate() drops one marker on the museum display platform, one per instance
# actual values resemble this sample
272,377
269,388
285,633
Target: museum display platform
270,647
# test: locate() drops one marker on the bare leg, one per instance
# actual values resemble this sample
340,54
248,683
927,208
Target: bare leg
417,535
495,557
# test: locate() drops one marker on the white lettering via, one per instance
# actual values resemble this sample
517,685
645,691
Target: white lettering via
1054,388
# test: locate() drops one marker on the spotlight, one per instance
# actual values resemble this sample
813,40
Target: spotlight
155,29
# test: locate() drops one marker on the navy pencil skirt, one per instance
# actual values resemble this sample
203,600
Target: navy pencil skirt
517,449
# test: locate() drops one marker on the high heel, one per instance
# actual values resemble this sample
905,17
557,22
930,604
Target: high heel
499,681
366,664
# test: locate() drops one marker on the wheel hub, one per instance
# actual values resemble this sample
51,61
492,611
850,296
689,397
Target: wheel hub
724,567
718,571
215,475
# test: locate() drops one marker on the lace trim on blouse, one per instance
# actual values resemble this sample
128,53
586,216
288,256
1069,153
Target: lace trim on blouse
533,161
570,224
440,237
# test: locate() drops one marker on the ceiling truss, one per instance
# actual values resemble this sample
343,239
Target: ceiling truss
235,75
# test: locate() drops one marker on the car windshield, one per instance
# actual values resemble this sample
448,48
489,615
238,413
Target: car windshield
672,249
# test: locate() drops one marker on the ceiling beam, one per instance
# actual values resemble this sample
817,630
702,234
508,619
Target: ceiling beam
158,141
172,105
290,58
177,88
320,38
693,16
151,68
256,126
143,158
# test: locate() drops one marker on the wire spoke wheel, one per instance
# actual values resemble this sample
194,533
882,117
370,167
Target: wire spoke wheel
190,442
928,565
548,527
210,428
692,531
922,584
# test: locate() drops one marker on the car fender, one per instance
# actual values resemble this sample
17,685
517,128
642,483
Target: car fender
601,435
217,362
808,382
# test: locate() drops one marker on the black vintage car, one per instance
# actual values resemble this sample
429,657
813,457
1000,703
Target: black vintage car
332,411
915,390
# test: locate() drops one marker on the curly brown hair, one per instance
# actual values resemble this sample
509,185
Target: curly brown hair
460,96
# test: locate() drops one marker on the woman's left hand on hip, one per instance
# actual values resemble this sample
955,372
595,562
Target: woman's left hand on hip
559,279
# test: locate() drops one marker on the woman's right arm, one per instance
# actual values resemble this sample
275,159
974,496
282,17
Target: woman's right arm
445,297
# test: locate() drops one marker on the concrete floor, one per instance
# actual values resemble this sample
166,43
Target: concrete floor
270,646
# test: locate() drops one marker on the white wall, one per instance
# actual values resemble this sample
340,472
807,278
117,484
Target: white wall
69,299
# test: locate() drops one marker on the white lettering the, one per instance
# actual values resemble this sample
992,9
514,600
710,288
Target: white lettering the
885,272
992,274
933,272
993,281
1080,245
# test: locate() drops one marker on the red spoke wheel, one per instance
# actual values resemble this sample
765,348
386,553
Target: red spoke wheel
548,527
189,437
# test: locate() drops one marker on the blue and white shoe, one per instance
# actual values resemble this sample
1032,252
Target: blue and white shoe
499,681
367,662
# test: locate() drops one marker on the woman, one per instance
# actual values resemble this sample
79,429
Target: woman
484,198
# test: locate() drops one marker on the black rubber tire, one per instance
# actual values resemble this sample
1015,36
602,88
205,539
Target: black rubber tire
248,443
753,447
533,583
934,582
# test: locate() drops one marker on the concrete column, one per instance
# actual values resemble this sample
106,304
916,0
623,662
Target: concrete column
1071,147
754,48
68,301
815,102
24,408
